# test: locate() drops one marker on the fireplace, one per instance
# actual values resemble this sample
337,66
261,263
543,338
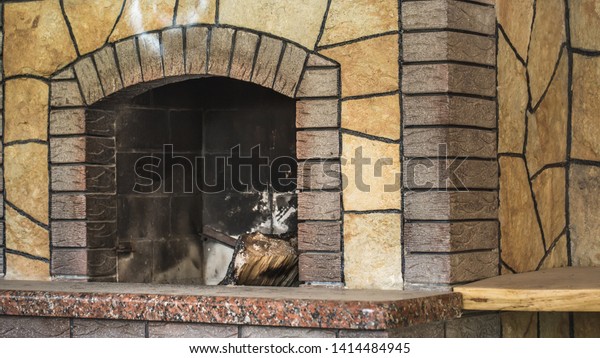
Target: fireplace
376,202
155,152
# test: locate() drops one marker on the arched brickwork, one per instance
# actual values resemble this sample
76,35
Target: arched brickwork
78,150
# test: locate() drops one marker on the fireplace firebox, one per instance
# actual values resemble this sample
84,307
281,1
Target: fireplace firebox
210,152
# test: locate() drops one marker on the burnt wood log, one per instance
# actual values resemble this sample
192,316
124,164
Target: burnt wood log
263,260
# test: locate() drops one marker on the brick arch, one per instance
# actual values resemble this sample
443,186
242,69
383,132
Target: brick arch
139,63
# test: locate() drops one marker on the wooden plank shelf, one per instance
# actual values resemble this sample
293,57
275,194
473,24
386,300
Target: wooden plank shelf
569,289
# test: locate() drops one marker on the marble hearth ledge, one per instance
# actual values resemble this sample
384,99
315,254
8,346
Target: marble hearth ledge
309,307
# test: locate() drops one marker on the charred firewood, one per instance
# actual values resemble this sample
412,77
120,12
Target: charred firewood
263,260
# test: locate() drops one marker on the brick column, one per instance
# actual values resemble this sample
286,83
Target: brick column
449,142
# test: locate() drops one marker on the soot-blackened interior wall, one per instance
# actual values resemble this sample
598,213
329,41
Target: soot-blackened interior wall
175,175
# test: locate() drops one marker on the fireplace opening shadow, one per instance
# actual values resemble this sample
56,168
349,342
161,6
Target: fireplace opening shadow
202,153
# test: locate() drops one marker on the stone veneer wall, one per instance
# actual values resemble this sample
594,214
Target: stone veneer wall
43,234
440,82
549,148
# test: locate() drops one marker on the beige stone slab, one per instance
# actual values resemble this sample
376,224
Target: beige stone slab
317,113
372,251
549,190
450,174
547,39
450,237
26,236
318,82
519,325
36,39
196,50
65,94
547,127
452,46
436,268
265,68
129,62
319,205
516,17
584,214
567,289
172,40
585,24
586,325
455,78
585,128
21,268
521,237
196,11
377,116
221,41
26,178
454,142
374,185
246,44
441,14
554,325
26,110
141,16
150,56
352,19
512,100
452,110
290,70
448,205
558,255
294,20
92,21
317,144
369,66
89,81
106,63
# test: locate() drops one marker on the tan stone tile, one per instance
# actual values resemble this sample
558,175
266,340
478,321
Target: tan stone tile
516,18
505,270
585,24
36,38
547,38
196,11
521,237
584,213
586,108
26,109
549,189
558,256
378,116
512,99
586,325
92,21
22,268
141,16
369,66
519,324
298,21
373,255
373,186
554,325
26,178
547,127
351,19
24,235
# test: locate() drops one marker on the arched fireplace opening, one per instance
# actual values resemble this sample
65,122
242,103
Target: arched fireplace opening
193,160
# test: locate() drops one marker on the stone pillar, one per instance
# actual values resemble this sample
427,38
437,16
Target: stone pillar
449,142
